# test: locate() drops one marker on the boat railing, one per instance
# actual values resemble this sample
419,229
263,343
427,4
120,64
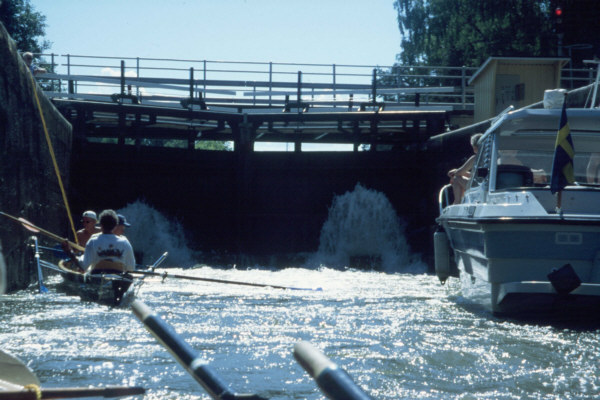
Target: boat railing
596,82
444,197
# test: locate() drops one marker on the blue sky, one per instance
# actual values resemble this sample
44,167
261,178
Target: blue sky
361,32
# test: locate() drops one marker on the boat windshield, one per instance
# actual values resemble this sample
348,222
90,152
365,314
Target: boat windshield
535,151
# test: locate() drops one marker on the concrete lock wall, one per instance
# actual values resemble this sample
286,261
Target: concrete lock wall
28,182
275,204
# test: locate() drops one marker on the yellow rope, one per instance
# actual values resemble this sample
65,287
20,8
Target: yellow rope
34,388
60,183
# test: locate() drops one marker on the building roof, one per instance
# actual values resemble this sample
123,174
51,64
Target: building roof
562,61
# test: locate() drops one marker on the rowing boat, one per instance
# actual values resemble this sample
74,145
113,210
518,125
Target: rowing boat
108,288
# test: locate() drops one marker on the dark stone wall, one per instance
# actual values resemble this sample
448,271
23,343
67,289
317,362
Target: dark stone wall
28,183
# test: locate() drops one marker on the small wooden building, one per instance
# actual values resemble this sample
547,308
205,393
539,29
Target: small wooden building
505,81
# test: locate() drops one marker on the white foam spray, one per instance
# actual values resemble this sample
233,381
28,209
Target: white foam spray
153,234
363,223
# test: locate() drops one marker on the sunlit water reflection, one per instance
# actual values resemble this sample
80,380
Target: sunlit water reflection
398,335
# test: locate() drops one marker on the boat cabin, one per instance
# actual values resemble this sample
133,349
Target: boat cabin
517,152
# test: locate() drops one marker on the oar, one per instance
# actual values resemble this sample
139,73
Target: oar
33,228
334,382
42,288
185,355
16,379
165,274
72,393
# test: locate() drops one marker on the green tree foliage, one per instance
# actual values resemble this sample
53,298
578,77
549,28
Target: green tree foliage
214,145
467,32
25,25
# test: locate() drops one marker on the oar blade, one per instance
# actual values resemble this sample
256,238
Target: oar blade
15,372
32,227
28,225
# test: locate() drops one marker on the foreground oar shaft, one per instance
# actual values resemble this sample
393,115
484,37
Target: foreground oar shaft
335,383
185,355
28,225
73,393
197,278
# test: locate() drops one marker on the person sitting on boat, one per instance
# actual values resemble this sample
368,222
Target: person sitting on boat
106,252
89,221
459,177
121,225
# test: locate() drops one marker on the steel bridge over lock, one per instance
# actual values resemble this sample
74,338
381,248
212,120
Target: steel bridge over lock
217,101
151,101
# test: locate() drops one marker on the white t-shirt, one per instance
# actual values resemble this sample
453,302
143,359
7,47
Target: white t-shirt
110,247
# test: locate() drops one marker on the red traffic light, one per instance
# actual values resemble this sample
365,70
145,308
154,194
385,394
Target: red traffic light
558,12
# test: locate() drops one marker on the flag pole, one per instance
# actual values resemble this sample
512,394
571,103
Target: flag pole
562,163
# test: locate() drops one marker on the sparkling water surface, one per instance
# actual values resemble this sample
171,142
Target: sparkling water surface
400,336
399,333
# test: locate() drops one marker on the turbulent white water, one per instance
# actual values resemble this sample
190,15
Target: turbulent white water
363,223
400,335
152,234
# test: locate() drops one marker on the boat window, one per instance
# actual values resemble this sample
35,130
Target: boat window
536,152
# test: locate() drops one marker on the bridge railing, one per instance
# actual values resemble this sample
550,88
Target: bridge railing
243,84
253,84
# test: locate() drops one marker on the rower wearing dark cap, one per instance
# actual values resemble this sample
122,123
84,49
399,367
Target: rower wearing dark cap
121,225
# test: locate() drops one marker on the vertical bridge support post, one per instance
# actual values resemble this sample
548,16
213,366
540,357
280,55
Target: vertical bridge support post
244,133
121,113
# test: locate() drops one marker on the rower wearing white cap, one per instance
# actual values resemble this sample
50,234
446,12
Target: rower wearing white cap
89,220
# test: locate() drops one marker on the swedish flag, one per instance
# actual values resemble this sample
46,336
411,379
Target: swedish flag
562,165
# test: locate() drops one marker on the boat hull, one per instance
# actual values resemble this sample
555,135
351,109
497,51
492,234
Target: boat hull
104,288
513,259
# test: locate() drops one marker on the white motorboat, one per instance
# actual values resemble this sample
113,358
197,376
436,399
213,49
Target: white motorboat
507,235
